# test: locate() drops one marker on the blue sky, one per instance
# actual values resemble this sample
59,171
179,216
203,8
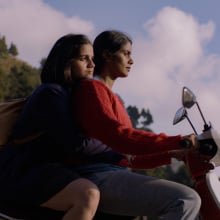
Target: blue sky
129,15
176,43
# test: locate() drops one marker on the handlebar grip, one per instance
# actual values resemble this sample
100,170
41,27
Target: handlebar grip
185,143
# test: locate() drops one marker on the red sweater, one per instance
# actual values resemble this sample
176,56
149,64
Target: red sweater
102,115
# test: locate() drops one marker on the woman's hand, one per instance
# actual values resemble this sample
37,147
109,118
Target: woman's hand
190,142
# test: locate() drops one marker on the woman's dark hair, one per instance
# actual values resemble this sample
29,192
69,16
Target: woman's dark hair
64,49
111,41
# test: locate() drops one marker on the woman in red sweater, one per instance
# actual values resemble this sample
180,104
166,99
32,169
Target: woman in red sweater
102,116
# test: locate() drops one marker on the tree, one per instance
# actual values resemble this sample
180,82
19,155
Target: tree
133,112
21,81
3,47
13,50
2,83
17,78
140,119
147,116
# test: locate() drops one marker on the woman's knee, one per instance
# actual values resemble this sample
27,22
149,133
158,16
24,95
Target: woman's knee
190,199
195,198
80,193
90,194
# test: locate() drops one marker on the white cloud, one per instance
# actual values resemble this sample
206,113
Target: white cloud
171,56
34,26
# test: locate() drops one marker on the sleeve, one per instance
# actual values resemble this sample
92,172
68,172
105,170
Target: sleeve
94,108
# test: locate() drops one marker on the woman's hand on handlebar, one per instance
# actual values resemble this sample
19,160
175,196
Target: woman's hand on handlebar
190,142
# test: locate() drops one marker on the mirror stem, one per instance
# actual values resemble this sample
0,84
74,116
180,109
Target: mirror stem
206,127
191,125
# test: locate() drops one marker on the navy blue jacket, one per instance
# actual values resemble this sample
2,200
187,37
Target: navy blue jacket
34,171
47,112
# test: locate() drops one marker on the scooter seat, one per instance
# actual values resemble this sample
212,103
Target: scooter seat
213,182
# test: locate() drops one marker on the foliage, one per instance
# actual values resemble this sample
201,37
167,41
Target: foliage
5,51
21,81
13,50
17,78
3,47
140,119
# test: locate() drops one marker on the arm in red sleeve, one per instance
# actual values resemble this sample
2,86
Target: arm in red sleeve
100,114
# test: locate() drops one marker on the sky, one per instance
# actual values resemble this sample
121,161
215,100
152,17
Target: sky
176,43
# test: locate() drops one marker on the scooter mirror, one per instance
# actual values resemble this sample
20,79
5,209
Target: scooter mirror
180,115
188,98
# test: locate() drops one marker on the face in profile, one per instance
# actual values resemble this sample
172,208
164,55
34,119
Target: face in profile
82,66
121,61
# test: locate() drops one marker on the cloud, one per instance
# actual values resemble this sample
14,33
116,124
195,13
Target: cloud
34,27
170,56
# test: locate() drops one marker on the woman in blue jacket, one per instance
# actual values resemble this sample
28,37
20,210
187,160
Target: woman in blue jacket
34,169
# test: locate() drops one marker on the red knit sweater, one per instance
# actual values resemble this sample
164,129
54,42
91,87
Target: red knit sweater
102,115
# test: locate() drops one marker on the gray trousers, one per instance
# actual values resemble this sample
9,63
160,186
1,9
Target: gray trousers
127,193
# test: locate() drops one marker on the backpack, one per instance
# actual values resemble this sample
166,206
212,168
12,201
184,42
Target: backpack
9,113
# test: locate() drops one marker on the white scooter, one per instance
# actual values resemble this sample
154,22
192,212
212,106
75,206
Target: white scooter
204,165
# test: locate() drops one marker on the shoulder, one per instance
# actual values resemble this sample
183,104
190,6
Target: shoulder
92,82
92,85
92,89
47,95
50,89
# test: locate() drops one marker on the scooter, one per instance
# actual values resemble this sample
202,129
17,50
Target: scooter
204,163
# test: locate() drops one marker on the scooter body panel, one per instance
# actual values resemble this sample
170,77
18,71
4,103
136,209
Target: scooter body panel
213,183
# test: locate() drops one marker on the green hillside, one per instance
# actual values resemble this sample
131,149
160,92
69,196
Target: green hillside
17,78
